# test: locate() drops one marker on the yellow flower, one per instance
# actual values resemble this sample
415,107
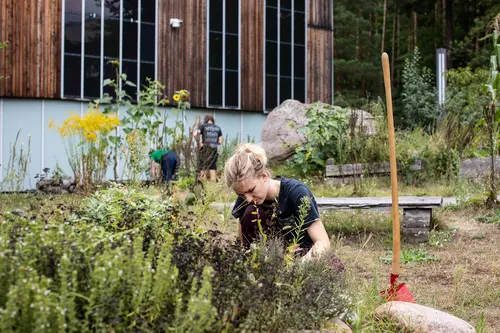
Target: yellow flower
51,124
177,97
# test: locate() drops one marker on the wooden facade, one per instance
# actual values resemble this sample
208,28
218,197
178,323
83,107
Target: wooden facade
32,60
182,52
320,51
31,63
252,51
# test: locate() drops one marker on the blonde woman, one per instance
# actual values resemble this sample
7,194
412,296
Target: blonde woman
274,203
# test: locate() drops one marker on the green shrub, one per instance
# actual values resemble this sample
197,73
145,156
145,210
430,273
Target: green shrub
103,269
121,209
419,100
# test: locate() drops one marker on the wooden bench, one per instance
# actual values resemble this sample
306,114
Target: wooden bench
417,212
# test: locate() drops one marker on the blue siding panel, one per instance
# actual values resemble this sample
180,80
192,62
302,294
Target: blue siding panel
24,115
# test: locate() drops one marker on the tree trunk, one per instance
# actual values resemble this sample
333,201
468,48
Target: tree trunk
449,30
383,28
393,53
415,26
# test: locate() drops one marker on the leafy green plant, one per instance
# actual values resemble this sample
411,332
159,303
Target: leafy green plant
418,95
410,255
326,134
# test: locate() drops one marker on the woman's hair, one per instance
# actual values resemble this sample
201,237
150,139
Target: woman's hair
208,118
248,161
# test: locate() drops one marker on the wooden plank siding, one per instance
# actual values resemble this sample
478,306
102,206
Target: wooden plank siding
182,52
319,51
32,60
252,55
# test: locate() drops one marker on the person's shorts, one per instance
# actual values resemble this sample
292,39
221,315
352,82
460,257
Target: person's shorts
208,158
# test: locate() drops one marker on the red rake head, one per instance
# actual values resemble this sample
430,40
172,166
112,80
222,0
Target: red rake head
397,292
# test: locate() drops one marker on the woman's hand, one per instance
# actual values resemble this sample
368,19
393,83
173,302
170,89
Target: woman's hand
321,242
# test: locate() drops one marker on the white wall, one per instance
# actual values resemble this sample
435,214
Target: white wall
32,117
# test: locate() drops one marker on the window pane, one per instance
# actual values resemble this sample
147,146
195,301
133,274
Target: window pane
232,9
285,89
215,54
232,52
72,70
92,80
299,5
130,40
273,3
215,87
148,11
231,89
286,4
299,29
111,38
299,90
130,68
271,92
285,60
271,58
215,15
112,9
299,62
92,29
147,42
271,24
286,26
130,8
109,73
147,71
73,27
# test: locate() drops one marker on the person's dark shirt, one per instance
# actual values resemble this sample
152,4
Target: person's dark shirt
210,134
289,201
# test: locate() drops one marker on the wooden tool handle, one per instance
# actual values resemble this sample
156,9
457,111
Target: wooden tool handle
394,174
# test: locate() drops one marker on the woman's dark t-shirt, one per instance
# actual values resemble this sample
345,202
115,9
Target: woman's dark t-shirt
287,211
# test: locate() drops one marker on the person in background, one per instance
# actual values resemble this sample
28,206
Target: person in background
211,137
167,160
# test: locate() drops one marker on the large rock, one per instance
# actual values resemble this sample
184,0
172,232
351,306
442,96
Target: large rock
280,136
422,319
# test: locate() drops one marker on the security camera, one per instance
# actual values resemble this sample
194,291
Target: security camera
175,22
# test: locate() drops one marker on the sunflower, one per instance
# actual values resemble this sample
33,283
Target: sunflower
177,97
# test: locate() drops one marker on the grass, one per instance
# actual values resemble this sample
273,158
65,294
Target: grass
465,281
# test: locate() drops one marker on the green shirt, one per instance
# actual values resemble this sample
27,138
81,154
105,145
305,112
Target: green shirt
158,154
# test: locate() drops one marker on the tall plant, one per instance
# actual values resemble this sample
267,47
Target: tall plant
87,139
419,95
17,166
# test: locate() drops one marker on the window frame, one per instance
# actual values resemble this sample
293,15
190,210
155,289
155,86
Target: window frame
102,57
278,47
223,69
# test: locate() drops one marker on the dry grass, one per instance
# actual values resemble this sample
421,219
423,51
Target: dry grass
465,282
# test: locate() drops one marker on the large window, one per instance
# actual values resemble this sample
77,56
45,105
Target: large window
96,32
224,53
285,50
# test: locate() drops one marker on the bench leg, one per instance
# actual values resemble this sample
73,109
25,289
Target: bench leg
416,224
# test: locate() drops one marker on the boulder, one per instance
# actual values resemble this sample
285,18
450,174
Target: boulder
422,319
280,136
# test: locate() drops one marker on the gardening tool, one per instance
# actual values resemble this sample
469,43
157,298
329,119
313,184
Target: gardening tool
396,292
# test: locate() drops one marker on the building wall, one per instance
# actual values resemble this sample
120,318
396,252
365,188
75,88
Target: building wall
32,118
31,63
32,60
